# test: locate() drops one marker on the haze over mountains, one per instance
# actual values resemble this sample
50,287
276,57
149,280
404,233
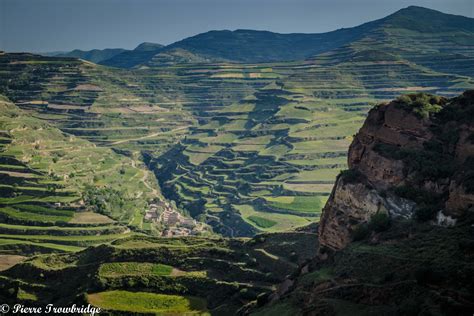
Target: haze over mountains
419,27
204,126
131,176
100,55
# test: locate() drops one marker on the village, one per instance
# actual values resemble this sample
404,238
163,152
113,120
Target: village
172,222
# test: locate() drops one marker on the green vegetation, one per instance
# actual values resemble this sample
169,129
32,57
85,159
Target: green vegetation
300,204
405,263
317,276
423,105
143,302
427,163
351,175
262,222
195,274
379,222
283,222
252,149
133,268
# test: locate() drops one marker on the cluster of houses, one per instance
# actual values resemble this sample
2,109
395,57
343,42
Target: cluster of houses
172,222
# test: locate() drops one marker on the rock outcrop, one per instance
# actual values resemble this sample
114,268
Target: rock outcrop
413,158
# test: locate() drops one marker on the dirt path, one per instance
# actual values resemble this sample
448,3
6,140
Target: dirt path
153,190
177,272
148,136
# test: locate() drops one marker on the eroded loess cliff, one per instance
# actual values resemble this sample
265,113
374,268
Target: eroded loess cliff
413,158
397,233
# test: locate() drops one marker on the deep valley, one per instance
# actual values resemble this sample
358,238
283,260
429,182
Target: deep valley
244,172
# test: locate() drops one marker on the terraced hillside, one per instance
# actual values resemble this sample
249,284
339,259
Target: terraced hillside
245,147
272,156
47,178
104,106
143,274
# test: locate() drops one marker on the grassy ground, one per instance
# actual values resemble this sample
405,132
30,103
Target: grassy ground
162,275
143,302
133,268
271,222
411,268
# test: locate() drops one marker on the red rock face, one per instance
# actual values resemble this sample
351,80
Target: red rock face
348,205
387,124
398,127
465,146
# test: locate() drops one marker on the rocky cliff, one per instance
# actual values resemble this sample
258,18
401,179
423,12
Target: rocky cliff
412,158
397,233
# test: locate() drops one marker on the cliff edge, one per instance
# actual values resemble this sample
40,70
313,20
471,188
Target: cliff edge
396,236
413,158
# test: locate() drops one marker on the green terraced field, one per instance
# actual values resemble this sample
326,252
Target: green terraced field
143,302
232,135
220,135
147,274
45,174
243,130
133,268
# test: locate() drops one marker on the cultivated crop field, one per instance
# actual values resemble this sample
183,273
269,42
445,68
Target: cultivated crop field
244,147
142,302
189,179
196,275
44,175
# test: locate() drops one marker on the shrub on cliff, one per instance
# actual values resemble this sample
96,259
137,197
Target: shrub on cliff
426,213
421,104
379,222
351,176
360,232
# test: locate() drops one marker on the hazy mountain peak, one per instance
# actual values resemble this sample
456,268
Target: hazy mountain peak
148,46
94,55
428,20
244,45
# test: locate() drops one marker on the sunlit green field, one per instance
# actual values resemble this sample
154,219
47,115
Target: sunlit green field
143,302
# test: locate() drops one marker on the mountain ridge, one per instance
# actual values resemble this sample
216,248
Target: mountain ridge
94,55
250,46
244,45
99,55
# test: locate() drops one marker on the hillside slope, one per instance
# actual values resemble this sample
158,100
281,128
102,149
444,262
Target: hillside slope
95,55
206,129
130,58
438,40
47,180
101,55
205,275
412,158
396,236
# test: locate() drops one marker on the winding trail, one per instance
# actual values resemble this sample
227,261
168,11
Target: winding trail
148,136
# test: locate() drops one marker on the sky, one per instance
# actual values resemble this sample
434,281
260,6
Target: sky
62,25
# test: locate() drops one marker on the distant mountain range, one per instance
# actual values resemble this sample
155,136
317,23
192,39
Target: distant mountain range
100,55
95,55
410,33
